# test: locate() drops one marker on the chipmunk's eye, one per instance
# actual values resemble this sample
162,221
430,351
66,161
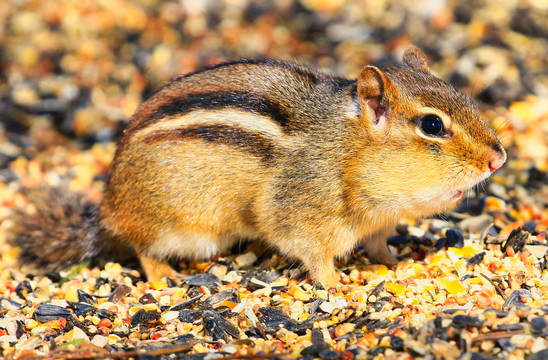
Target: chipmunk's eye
431,125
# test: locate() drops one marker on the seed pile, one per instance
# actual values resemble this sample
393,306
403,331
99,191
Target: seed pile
471,296
471,284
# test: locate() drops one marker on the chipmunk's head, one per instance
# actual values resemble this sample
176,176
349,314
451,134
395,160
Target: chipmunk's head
426,143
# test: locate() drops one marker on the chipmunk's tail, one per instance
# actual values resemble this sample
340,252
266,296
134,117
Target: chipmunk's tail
62,231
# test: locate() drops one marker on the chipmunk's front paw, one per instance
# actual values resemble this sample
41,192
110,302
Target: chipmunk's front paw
325,275
387,259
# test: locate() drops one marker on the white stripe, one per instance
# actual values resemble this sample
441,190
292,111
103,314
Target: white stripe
229,117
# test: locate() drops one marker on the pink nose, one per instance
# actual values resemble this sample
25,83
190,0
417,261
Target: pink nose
497,159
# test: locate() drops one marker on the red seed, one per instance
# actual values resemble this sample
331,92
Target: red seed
62,322
277,346
105,323
450,300
483,300
347,355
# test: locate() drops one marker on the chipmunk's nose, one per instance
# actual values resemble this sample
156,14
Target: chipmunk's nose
497,158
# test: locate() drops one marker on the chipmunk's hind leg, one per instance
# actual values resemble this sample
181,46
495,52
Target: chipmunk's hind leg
156,269
181,244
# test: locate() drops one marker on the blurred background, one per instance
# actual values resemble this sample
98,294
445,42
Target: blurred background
73,71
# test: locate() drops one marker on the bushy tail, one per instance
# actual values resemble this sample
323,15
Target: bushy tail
63,231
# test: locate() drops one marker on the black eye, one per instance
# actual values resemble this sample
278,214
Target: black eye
431,125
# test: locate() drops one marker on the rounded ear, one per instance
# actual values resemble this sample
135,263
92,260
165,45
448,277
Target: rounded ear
372,86
415,58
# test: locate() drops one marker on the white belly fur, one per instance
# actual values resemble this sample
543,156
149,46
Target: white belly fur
173,244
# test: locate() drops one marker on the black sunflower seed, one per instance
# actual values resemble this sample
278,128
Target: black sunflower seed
467,321
316,305
480,356
538,324
454,237
106,314
20,329
203,280
81,308
506,344
170,282
189,316
377,350
476,259
380,324
540,355
254,272
378,289
271,276
84,297
219,297
315,349
328,354
515,299
186,304
499,313
48,312
516,240
301,327
317,337
219,327
509,327
273,317
143,317
185,338
396,343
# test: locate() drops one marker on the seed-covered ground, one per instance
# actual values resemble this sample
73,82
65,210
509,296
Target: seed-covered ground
470,284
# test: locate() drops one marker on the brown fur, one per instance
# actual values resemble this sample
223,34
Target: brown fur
308,163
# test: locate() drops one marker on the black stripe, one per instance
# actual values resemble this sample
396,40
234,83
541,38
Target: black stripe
353,91
313,76
342,84
252,103
250,142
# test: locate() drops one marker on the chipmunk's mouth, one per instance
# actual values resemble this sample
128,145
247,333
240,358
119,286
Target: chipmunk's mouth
457,196
451,198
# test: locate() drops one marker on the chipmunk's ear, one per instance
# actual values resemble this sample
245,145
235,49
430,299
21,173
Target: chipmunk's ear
373,86
415,58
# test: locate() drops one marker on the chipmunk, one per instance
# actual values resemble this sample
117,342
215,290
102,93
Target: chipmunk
311,164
